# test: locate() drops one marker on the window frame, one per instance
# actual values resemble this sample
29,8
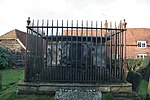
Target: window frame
141,44
141,56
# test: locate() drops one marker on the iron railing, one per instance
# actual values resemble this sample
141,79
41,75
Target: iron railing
67,53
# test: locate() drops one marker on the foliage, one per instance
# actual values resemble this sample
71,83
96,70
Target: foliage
143,89
108,96
134,78
133,64
145,68
5,62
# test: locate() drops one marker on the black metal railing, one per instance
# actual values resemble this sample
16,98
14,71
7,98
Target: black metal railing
67,53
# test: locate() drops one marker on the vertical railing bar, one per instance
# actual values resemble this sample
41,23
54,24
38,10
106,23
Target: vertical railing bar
116,54
101,45
87,43
96,53
32,54
106,33
41,54
67,50
125,52
51,43
47,68
46,47
26,54
115,50
91,44
36,53
55,72
87,66
77,51
61,79
91,62
56,43
111,52
73,72
122,54
118,58
82,51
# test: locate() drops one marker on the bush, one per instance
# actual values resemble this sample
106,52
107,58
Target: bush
134,64
5,62
108,96
145,68
135,78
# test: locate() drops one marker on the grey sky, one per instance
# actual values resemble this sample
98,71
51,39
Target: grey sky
14,13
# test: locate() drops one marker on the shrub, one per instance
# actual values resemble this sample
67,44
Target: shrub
5,62
145,68
134,64
134,78
108,96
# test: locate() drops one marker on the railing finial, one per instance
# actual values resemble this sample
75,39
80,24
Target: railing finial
106,24
124,23
28,21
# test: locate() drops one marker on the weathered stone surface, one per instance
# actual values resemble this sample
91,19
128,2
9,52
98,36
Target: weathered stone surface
31,88
78,95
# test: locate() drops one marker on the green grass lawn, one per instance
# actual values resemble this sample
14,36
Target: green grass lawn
10,79
143,89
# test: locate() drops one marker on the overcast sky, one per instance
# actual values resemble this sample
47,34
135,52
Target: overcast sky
14,13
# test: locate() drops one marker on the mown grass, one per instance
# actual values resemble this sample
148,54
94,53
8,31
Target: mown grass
143,89
10,79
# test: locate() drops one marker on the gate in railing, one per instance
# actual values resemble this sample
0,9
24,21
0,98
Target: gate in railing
59,51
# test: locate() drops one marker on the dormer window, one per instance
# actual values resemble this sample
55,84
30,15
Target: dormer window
141,44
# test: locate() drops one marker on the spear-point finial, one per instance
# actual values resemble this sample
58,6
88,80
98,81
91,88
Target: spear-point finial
28,21
106,24
124,23
120,24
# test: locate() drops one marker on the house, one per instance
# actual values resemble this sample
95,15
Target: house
137,42
15,41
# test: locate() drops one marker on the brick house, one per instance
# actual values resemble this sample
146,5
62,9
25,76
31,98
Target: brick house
137,42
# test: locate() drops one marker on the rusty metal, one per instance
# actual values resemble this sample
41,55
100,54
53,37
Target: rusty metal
63,52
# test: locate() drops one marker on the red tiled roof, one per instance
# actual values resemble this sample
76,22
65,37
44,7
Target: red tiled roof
9,35
84,32
15,34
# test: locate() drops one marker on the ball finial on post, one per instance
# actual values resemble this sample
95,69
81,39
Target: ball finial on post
28,21
124,23
106,24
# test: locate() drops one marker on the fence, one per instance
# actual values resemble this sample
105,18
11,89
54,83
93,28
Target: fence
64,52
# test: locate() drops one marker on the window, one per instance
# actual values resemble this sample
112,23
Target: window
141,44
141,55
